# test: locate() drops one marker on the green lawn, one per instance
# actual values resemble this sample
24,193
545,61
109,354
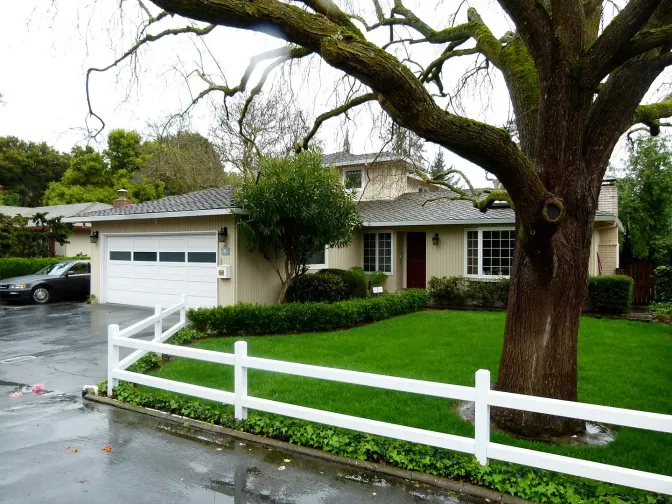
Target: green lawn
621,363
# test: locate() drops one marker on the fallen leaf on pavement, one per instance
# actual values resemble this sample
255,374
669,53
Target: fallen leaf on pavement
219,449
281,468
287,460
16,395
107,449
82,481
72,449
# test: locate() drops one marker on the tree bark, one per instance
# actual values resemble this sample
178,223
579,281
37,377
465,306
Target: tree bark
549,285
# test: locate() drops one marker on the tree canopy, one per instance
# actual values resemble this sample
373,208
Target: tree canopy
645,199
21,237
294,210
27,168
92,176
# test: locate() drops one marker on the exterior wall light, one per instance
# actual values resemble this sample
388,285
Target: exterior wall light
223,235
94,236
435,239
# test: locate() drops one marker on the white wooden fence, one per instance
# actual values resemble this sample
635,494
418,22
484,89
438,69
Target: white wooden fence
481,394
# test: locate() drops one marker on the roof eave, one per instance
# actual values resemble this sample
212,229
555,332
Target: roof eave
154,215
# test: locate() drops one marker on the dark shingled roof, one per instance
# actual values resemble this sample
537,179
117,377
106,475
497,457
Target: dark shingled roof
210,199
347,159
409,208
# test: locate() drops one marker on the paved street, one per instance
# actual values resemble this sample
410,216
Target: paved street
51,444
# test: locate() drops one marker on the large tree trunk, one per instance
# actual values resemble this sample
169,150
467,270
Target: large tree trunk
548,289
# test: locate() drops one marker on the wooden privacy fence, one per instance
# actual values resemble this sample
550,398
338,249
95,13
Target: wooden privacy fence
643,289
482,395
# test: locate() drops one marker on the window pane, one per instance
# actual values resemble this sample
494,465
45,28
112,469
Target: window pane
171,256
116,255
202,257
385,252
499,251
78,269
472,252
144,256
318,258
353,179
369,251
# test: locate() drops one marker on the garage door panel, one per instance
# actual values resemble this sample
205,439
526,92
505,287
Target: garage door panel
205,243
162,279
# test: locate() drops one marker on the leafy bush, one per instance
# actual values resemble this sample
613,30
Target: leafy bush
525,482
663,284
449,289
355,283
20,266
325,288
459,291
662,312
252,319
610,294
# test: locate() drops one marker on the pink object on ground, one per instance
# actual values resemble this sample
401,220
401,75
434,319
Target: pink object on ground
16,395
38,388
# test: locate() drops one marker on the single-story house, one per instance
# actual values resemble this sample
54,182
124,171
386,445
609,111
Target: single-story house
151,253
79,241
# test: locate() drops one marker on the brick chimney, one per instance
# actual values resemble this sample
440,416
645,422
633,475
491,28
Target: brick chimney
122,200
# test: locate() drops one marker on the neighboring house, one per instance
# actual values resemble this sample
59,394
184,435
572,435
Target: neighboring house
79,241
153,252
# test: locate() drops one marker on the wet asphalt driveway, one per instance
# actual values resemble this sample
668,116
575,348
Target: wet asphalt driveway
51,444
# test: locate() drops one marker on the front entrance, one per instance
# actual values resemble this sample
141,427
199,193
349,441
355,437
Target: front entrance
416,260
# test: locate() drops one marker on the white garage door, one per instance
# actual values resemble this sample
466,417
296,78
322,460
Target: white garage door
157,269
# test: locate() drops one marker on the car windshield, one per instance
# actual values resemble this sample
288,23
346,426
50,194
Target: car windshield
56,269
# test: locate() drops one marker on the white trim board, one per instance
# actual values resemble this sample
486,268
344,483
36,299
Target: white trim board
157,215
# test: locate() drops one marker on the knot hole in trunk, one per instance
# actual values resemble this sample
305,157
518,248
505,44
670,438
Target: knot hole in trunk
554,210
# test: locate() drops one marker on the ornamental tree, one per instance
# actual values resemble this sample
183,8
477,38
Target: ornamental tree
295,208
577,77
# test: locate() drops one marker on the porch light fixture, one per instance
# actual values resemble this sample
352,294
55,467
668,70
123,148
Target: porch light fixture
435,239
222,235
94,236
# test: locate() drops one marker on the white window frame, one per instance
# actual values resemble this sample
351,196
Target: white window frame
480,230
321,266
391,272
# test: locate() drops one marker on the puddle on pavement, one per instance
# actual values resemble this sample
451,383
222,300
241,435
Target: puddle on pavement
594,435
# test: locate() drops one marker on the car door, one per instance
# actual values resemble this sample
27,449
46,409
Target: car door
79,280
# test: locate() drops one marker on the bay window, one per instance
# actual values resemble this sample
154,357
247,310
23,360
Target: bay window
489,252
378,252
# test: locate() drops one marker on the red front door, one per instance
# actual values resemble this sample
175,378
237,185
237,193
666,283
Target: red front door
416,260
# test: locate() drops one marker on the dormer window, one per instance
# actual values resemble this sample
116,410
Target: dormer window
353,179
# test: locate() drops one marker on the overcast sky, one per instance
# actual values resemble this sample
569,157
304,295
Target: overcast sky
45,52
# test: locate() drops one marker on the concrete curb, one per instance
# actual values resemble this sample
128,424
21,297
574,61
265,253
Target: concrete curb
446,483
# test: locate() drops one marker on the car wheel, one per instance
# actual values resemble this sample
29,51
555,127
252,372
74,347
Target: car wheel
41,294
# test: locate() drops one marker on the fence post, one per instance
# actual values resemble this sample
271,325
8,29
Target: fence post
158,325
240,379
482,415
112,357
183,311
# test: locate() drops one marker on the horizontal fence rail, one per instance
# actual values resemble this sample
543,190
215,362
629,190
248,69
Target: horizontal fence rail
482,395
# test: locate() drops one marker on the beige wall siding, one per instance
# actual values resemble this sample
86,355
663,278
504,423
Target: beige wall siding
446,258
257,281
80,243
415,186
226,287
380,181
608,249
593,268
347,257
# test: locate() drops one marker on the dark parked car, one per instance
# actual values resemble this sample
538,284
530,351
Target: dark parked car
61,280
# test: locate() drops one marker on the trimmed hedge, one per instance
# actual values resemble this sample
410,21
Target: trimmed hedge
19,266
663,284
460,291
355,283
254,319
610,294
325,288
